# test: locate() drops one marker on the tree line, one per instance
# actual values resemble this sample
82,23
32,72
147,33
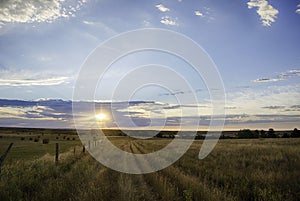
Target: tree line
248,134
241,134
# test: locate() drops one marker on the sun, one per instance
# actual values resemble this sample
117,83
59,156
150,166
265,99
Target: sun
100,116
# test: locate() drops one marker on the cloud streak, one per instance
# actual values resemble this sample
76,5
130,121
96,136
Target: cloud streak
267,12
30,78
282,76
274,107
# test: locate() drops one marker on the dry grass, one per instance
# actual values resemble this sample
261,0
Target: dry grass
267,169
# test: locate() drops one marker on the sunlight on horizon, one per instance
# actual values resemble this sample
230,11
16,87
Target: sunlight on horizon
101,116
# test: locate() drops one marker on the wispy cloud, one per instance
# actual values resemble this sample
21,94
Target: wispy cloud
265,100
32,82
279,108
198,13
162,8
30,78
180,92
88,22
29,11
266,11
298,9
168,21
274,107
295,107
267,80
98,24
255,119
281,76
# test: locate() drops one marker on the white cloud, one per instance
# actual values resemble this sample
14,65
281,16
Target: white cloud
162,8
298,9
266,11
30,78
198,13
29,11
168,21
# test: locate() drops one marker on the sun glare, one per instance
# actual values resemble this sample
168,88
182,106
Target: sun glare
100,116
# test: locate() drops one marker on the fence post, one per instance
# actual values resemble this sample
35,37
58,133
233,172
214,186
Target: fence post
83,148
5,154
56,153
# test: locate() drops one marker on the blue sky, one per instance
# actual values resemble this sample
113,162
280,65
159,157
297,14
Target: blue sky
254,44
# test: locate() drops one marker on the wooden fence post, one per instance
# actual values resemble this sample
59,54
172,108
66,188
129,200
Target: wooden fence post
56,153
5,154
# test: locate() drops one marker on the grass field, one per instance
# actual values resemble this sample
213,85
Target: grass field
237,169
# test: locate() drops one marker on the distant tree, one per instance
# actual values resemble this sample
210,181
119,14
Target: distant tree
246,133
271,133
263,134
256,134
159,135
295,133
200,136
285,135
46,141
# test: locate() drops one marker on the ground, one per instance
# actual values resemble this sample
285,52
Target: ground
237,169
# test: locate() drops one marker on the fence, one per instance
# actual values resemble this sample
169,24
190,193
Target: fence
5,154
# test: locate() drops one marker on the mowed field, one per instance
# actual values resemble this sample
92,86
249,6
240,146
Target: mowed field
237,169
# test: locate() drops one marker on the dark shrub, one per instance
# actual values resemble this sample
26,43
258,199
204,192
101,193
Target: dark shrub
30,139
46,141
271,133
263,134
285,135
295,133
36,139
22,138
246,133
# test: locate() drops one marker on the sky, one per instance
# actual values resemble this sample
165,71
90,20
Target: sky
254,45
